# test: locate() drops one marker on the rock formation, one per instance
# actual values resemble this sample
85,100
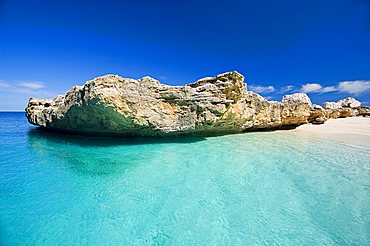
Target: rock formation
349,102
214,105
344,108
296,98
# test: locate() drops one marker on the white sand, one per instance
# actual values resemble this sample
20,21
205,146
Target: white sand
353,130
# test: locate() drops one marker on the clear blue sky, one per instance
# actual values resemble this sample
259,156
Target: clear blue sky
318,46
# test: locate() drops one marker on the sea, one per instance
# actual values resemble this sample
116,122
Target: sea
260,188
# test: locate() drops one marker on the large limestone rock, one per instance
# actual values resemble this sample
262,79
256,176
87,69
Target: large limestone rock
215,105
296,98
343,108
362,111
331,105
348,102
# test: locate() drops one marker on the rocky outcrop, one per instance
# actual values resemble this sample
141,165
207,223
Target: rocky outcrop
344,108
296,98
331,105
362,111
215,105
349,102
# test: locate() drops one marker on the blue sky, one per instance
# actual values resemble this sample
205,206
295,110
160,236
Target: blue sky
319,47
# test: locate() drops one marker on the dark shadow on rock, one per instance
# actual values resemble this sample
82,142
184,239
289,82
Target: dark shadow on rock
89,140
272,129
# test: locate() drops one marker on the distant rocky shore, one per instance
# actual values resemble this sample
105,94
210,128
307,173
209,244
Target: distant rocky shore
112,105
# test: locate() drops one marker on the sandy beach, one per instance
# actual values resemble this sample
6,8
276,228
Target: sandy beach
352,130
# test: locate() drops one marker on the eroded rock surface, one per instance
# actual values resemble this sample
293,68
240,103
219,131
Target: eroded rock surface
296,98
348,102
346,107
215,105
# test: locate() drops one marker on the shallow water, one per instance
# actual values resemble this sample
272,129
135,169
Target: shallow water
268,188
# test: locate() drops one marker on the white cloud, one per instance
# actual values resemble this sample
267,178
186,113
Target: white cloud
288,88
329,89
307,88
354,87
32,85
351,87
25,91
23,87
317,88
4,84
261,89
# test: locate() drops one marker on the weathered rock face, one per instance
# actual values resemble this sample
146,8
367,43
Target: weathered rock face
348,102
362,111
344,108
331,105
296,98
216,105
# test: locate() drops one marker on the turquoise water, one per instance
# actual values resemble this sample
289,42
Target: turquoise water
268,188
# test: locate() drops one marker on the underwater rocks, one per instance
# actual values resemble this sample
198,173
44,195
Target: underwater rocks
112,105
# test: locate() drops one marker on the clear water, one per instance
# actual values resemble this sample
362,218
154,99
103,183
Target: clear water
270,188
